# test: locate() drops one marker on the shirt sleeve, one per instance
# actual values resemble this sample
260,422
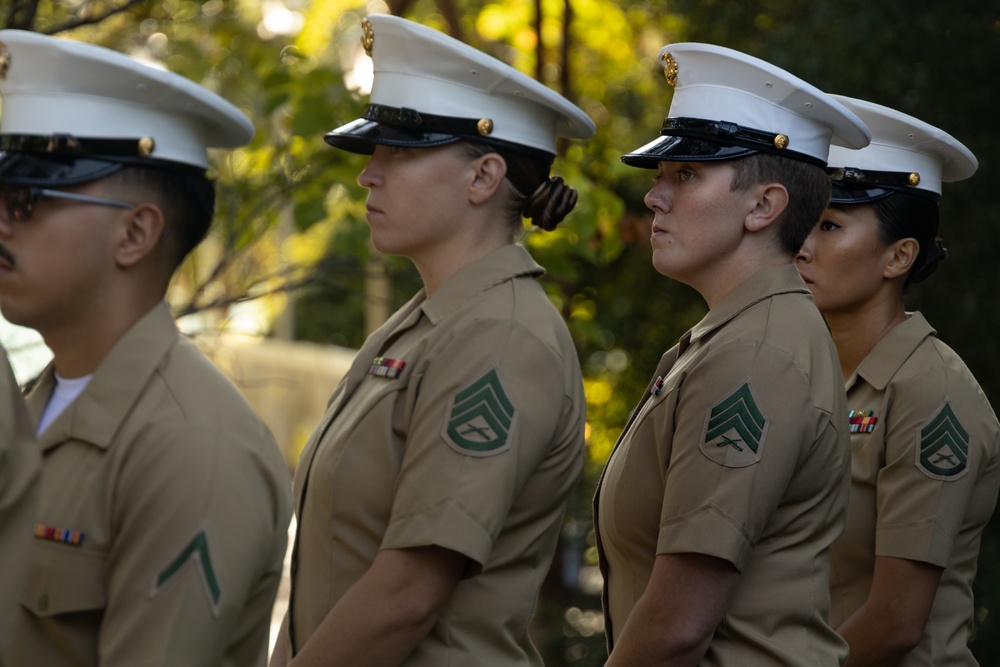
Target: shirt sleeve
488,409
19,466
201,530
744,419
920,516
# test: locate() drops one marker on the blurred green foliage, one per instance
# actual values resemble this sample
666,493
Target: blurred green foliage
291,213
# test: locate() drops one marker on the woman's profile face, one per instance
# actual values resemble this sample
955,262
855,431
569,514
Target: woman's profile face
842,261
414,197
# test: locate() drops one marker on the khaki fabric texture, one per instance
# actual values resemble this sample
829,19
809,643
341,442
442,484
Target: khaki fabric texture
19,469
897,509
163,468
382,471
670,487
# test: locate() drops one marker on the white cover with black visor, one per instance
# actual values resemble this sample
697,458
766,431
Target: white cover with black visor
431,89
728,105
75,112
905,155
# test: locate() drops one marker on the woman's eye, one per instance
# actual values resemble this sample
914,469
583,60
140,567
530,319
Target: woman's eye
828,225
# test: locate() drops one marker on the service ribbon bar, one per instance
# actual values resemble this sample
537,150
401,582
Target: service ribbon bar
384,367
862,421
64,535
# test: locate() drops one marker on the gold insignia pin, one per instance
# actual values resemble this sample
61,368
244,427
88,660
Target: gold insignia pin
485,126
4,61
670,70
146,146
781,142
913,179
367,37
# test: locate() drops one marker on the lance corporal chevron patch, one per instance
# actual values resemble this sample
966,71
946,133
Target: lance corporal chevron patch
943,446
735,429
480,417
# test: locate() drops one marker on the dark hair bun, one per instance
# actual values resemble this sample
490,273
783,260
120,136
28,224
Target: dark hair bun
936,254
550,203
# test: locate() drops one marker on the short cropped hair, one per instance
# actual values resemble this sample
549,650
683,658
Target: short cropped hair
808,192
187,200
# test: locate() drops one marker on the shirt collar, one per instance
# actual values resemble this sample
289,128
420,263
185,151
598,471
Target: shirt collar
890,353
510,261
762,285
117,384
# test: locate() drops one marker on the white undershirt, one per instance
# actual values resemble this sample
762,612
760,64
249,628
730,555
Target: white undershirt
65,393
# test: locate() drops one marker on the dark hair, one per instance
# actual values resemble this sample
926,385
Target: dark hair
808,192
906,216
543,200
187,200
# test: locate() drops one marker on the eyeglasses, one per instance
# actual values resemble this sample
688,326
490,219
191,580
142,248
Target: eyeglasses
20,200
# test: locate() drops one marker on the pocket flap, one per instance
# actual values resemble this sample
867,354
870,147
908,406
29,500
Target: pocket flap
64,578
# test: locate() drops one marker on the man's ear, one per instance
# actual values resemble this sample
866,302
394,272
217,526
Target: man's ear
142,230
488,173
772,200
901,256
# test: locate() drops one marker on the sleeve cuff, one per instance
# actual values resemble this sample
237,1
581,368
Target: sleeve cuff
925,541
707,530
444,525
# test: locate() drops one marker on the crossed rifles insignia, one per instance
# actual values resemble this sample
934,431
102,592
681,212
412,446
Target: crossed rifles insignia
735,429
481,417
943,452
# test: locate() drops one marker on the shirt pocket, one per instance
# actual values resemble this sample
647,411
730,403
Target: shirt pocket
64,579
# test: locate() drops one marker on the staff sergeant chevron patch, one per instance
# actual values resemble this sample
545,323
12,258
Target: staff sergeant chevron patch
735,429
943,451
480,417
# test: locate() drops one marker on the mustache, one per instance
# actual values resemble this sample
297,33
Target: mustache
6,255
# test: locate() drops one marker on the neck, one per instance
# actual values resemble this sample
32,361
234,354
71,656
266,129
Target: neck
856,333
437,267
80,347
735,274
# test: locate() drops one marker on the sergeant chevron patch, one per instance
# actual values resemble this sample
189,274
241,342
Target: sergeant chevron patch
480,417
943,451
735,429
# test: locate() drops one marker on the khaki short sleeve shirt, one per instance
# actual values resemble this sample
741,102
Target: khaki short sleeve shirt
924,479
19,466
162,518
459,425
738,451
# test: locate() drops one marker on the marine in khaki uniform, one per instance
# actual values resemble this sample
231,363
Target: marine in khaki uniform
19,465
720,501
164,503
925,442
430,497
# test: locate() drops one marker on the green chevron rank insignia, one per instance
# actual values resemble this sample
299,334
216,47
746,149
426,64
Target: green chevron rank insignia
196,550
735,429
943,452
480,417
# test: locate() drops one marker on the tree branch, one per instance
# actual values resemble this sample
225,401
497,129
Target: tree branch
78,21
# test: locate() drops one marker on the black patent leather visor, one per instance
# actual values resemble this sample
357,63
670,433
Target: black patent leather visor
856,186
700,140
51,170
682,149
841,193
362,135
409,128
